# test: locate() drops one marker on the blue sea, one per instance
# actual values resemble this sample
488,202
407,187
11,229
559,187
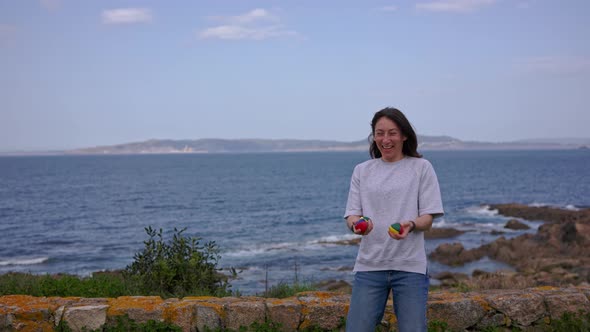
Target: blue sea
275,216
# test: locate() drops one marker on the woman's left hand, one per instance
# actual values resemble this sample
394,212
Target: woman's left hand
406,226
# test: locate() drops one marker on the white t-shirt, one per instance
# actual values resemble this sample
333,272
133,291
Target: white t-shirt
390,192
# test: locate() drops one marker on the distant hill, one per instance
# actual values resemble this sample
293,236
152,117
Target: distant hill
292,145
164,146
223,146
565,140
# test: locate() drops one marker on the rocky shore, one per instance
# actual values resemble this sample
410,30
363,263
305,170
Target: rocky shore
558,254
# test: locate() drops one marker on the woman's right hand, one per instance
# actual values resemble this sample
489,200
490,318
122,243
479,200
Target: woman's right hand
354,219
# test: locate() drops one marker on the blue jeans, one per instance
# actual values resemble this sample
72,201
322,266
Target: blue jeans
369,298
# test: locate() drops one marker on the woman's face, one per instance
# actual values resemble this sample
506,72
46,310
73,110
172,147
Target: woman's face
389,139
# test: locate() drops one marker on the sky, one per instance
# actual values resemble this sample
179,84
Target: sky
89,73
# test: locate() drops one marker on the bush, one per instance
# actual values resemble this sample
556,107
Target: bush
176,269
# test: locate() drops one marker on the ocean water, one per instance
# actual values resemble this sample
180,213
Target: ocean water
276,217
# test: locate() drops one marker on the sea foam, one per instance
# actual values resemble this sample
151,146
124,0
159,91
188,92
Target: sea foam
23,261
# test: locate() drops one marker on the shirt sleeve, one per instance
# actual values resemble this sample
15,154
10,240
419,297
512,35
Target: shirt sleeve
429,198
353,205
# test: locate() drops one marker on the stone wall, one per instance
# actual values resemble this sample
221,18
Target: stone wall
473,311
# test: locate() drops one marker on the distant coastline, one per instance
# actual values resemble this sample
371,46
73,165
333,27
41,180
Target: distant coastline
169,146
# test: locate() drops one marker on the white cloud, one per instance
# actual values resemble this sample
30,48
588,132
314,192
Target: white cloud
255,15
240,32
126,16
457,6
388,8
257,24
556,64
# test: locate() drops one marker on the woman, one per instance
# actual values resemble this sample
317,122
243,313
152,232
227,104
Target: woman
395,186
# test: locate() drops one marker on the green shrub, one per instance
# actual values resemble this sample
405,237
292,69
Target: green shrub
176,268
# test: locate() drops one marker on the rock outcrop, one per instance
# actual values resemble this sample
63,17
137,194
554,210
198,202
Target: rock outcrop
532,307
558,254
516,225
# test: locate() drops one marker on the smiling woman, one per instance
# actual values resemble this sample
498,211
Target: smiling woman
395,186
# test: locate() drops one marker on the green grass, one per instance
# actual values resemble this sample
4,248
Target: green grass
283,290
107,285
111,284
271,327
125,324
571,322
567,323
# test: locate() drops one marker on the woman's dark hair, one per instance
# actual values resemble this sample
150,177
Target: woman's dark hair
410,144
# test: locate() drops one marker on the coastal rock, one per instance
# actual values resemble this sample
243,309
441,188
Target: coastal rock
286,312
139,308
491,321
458,311
450,279
557,254
244,312
6,320
547,214
209,312
85,318
479,273
207,317
500,280
323,310
181,313
566,300
454,254
522,307
516,225
442,233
